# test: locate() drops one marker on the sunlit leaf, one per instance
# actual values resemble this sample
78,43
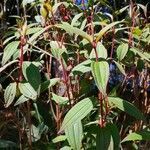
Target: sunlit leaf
28,91
121,69
7,65
83,24
77,113
59,99
144,9
21,100
56,50
100,71
65,148
101,51
49,83
74,135
73,30
9,50
59,138
75,19
122,10
35,134
8,39
105,29
33,30
140,53
122,51
36,35
10,93
137,136
82,67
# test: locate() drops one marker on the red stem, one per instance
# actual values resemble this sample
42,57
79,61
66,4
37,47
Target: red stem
101,120
22,41
113,43
66,81
133,23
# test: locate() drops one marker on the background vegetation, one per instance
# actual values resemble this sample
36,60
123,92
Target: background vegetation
74,74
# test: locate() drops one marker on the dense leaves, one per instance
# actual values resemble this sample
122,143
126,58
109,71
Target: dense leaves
74,75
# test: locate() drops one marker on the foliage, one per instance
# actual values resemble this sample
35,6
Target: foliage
74,74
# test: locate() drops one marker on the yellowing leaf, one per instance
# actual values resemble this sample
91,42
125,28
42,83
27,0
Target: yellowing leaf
105,29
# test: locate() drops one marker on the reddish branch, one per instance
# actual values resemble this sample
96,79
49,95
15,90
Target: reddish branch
22,43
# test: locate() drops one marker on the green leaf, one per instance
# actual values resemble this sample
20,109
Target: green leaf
83,24
29,31
147,54
56,50
115,135
56,6
75,19
77,113
25,2
137,136
121,69
73,30
33,30
122,51
5,144
144,8
59,138
59,99
9,94
32,74
100,71
140,53
28,91
37,114
49,83
66,148
103,138
122,10
74,135
126,107
82,67
35,134
140,65
91,3
8,39
105,29
36,35
21,100
101,51
9,50
7,65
